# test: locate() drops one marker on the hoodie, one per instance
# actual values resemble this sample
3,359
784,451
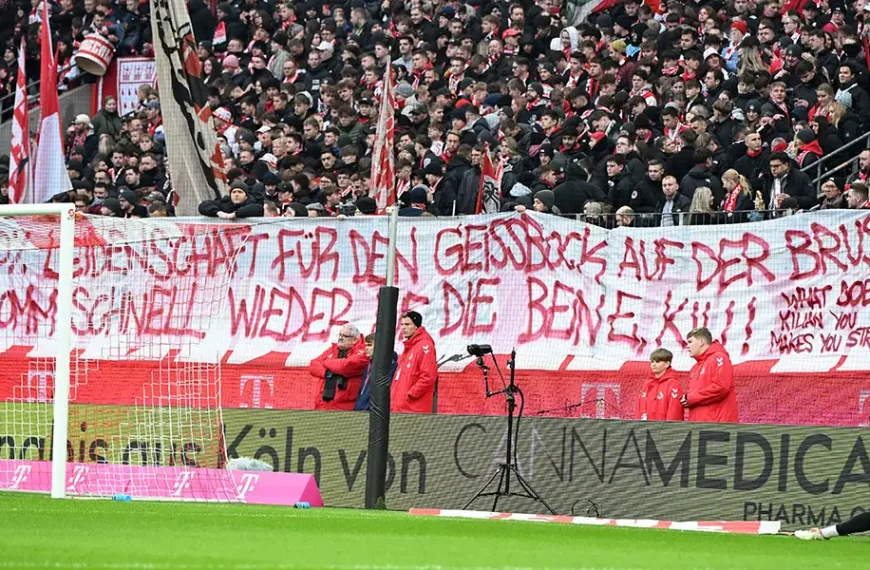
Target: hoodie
660,398
413,387
698,177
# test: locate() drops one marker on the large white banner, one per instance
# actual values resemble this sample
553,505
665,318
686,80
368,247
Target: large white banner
566,294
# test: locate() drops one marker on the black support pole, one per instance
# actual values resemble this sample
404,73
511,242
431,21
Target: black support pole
379,414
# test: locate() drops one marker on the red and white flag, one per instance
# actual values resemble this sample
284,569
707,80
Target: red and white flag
488,201
50,175
383,167
20,166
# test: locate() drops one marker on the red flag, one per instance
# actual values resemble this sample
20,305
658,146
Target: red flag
20,167
490,182
383,168
866,48
50,175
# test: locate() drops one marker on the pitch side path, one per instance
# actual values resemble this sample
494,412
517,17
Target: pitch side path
40,533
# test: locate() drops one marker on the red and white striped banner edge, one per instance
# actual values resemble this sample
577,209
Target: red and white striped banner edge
728,527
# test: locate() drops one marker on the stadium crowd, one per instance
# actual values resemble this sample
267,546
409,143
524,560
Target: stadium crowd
688,112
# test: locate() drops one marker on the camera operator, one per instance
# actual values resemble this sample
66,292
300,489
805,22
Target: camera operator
340,369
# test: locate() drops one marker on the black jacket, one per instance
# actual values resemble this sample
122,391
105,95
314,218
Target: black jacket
724,131
830,139
620,190
698,177
797,185
860,100
681,206
443,199
646,196
680,163
575,191
469,188
753,168
202,20
781,126
454,172
850,129
250,208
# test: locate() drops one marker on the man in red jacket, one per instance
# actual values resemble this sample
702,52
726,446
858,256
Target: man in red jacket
711,396
662,392
340,370
413,388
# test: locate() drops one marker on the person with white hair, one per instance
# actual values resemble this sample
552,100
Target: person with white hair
339,370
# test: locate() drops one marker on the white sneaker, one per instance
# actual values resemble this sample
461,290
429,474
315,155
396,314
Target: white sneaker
812,534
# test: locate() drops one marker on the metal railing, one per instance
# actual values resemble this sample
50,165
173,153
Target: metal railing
817,181
654,220
9,98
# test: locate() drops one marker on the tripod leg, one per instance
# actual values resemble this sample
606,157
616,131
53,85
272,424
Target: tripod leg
530,490
498,491
482,489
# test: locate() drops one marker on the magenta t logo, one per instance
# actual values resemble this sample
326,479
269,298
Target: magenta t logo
261,391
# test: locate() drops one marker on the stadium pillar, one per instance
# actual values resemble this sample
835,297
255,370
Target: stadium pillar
382,360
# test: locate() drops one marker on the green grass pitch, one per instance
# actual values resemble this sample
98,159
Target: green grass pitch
38,532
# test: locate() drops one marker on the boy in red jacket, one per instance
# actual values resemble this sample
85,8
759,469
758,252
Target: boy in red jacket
711,396
661,394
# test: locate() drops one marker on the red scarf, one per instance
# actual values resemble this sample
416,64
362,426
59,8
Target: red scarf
812,148
292,78
592,87
402,186
862,176
814,112
153,127
754,153
573,80
674,134
688,75
454,82
731,199
418,75
220,34
77,140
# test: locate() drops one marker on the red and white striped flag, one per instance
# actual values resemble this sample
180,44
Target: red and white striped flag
50,175
20,167
383,168
490,182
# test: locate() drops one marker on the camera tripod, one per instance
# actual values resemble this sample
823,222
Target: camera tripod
508,469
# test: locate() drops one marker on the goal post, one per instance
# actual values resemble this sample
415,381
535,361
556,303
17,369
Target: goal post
110,365
63,329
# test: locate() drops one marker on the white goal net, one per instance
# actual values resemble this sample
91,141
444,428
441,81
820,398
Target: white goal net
142,411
